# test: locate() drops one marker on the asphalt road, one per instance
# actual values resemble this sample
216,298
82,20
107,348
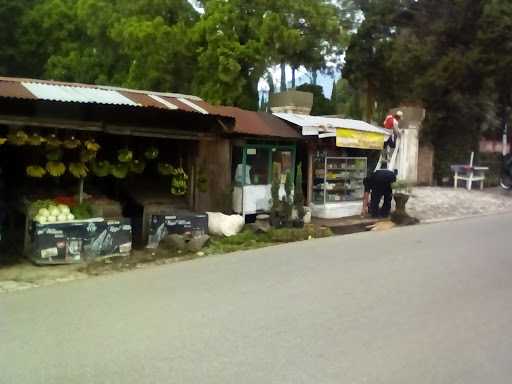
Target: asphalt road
423,304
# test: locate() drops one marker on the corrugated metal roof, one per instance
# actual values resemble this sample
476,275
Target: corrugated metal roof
258,123
319,124
87,93
67,93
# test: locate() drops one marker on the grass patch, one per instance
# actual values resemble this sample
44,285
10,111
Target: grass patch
245,240
248,239
289,235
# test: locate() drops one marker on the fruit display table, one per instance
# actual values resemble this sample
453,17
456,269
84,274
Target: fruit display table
144,204
79,240
180,222
53,237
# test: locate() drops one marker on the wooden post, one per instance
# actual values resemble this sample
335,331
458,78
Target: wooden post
192,186
81,191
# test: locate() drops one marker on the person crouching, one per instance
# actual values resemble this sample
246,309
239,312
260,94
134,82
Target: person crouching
381,181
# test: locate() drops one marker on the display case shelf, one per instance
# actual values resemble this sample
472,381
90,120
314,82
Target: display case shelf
331,175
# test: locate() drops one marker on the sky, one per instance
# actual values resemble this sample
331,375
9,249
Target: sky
196,6
302,76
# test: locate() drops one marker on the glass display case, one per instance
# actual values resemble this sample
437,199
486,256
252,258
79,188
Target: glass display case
338,179
252,171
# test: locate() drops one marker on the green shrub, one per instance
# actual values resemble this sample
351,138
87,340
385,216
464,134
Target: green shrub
298,196
274,191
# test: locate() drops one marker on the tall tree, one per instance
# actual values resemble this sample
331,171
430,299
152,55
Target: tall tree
11,61
238,40
138,43
303,33
370,50
494,49
425,51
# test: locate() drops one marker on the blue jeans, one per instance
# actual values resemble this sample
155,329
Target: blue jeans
377,195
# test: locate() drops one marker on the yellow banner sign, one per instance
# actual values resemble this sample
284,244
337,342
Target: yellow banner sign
351,138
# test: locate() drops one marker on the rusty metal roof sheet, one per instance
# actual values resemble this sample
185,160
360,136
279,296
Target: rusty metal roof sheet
15,90
258,123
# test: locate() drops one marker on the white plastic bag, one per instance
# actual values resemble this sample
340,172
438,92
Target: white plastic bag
224,225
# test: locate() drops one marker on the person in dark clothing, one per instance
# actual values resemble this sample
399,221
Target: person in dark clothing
381,181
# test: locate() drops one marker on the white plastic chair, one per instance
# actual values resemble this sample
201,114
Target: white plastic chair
469,174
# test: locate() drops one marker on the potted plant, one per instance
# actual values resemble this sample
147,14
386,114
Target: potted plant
287,201
401,190
275,209
401,194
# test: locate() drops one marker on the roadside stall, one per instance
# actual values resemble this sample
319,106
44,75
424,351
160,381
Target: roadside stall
259,142
341,153
62,223
80,162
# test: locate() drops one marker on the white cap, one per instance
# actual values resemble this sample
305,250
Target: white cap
399,113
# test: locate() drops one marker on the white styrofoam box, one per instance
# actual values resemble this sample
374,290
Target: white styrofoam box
336,210
255,198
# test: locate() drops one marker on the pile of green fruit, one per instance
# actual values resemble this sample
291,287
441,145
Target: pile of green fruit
179,183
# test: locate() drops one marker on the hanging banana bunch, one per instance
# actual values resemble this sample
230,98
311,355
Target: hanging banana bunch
179,183
124,155
87,155
101,168
53,141
120,170
35,140
71,143
79,170
92,145
55,168
35,171
17,138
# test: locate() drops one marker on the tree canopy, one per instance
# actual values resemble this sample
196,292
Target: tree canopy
449,56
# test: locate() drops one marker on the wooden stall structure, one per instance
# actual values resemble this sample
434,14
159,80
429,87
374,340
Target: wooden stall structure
146,148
